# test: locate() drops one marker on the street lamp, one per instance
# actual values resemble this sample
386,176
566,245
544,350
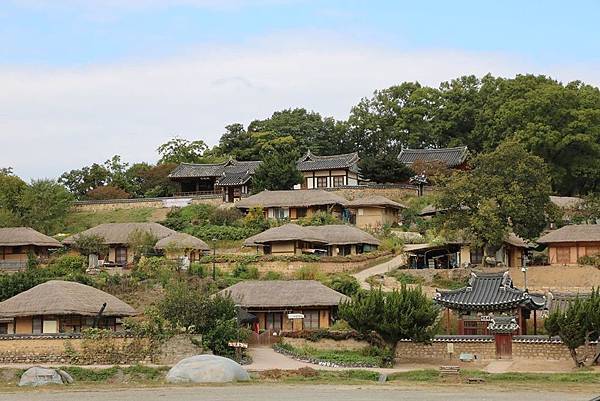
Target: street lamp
524,270
214,243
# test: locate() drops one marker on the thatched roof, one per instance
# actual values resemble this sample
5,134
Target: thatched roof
375,201
291,198
57,297
336,234
514,240
21,236
282,294
572,233
182,241
119,233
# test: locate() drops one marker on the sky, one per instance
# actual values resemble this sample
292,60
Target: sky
82,80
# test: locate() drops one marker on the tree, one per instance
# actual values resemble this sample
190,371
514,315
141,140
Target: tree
142,243
578,325
384,167
278,169
44,205
107,192
507,190
79,182
90,244
589,210
179,150
396,315
344,283
11,191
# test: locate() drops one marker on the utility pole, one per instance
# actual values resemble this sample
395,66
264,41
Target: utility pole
214,243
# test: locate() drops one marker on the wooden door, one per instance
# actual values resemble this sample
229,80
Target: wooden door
503,346
563,255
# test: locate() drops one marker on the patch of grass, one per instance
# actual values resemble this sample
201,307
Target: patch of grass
523,377
424,375
135,373
81,221
406,278
367,356
314,376
440,281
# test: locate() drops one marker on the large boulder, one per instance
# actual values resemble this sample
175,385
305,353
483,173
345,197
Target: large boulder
207,369
38,376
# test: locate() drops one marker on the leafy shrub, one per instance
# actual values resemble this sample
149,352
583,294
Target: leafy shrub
198,269
107,192
88,244
589,260
226,217
344,283
69,264
245,272
391,243
406,278
448,283
319,218
209,232
256,220
308,272
272,275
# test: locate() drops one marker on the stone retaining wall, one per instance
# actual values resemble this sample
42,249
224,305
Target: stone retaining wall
154,203
326,344
438,350
556,351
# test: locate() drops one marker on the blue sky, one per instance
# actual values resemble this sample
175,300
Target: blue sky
87,79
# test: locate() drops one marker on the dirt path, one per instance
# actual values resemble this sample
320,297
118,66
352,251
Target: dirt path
382,268
306,392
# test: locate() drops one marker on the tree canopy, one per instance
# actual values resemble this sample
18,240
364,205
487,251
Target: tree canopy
278,168
507,190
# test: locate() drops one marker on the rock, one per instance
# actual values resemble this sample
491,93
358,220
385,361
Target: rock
37,376
207,369
66,378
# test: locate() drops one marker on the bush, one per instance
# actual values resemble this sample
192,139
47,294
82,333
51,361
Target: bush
272,275
209,232
66,264
256,220
198,269
245,272
344,283
589,260
107,192
405,278
226,217
310,272
319,218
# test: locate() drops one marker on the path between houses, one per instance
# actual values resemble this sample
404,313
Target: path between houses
382,268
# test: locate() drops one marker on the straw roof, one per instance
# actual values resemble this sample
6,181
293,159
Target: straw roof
375,201
566,202
336,234
21,236
182,241
572,233
56,297
282,294
119,233
291,198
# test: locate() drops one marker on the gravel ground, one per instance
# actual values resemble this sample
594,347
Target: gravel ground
298,392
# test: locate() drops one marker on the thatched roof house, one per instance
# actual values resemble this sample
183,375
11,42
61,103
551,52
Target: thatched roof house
282,294
22,236
60,306
294,204
118,236
182,241
272,302
375,211
17,243
120,233
336,239
291,198
569,243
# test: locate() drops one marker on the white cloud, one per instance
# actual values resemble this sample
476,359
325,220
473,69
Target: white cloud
52,120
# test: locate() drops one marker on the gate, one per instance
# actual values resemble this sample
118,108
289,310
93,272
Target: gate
264,338
503,346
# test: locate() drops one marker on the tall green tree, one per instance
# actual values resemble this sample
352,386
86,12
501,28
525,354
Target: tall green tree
180,150
507,190
278,169
404,314
45,204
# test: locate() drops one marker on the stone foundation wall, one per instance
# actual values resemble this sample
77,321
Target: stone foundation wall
396,194
155,203
177,348
438,350
546,350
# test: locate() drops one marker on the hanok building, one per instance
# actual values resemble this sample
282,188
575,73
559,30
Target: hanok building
61,307
569,243
328,171
488,295
454,158
374,211
18,243
294,204
181,245
118,237
232,179
330,240
290,305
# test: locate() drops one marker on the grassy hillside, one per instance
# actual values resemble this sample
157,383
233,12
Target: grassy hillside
80,221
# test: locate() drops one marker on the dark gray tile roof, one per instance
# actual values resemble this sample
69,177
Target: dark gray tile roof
311,162
489,292
450,156
231,172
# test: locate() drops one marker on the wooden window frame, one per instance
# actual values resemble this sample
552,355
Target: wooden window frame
320,180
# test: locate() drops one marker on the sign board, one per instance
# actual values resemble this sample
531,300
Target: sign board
237,345
450,348
293,316
486,318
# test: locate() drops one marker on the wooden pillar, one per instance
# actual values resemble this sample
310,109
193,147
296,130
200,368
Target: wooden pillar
447,320
534,322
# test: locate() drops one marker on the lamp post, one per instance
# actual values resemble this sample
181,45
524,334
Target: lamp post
214,243
524,270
